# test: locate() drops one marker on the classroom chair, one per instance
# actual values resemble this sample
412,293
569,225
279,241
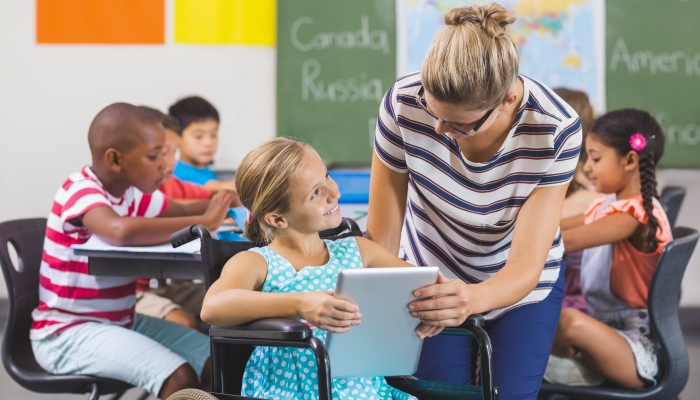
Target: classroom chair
663,313
22,280
672,199
232,346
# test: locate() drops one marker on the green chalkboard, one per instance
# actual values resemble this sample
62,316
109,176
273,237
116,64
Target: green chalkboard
335,60
653,63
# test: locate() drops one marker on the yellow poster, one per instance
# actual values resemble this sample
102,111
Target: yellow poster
248,22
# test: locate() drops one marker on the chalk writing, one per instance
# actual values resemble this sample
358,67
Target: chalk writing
340,90
360,39
664,62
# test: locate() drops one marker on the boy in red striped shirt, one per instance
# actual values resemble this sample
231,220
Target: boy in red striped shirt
86,324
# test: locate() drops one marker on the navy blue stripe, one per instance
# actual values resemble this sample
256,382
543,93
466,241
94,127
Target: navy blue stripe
457,202
565,134
530,129
387,103
557,178
552,98
388,158
463,225
459,249
463,181
389,135
569,154
410,85
534,105
414,247
445,259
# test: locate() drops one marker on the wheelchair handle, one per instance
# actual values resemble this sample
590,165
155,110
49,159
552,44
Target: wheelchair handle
474,320
346,225
189,234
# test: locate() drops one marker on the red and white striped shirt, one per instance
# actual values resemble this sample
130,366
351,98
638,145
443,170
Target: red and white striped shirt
67,294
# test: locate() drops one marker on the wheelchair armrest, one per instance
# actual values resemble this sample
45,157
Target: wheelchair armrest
186,235
473,320
265,329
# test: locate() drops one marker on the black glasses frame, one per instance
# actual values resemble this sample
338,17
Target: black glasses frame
424,105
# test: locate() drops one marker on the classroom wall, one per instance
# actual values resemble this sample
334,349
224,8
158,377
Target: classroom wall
49,95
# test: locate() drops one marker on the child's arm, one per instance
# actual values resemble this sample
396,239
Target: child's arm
375,255
572,222
611,229
179,208
138,231
216,186
235,299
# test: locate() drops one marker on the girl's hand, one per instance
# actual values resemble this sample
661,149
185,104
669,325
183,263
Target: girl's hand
444,304
424,330
328,313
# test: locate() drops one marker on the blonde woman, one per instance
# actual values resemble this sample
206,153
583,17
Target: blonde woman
473,161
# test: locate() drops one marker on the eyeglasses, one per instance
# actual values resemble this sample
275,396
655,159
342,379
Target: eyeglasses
424,105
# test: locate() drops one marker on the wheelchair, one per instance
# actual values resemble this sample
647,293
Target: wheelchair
231,346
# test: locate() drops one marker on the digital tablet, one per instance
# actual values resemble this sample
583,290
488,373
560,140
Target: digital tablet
385,343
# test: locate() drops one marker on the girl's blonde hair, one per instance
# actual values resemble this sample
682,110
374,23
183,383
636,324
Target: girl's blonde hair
263,182
473,59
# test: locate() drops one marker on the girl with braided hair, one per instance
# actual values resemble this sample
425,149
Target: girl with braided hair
623,235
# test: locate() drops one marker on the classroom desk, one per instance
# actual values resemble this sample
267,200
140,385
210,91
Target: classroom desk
143,264
175,265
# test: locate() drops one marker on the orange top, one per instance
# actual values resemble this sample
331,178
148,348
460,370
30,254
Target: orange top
176,189
631,270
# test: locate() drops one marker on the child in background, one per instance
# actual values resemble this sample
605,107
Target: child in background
86,324
623,235
579,197
580,194
173,187
200,128
179,301
291,198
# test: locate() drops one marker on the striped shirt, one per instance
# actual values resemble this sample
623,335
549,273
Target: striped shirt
461,214
67,294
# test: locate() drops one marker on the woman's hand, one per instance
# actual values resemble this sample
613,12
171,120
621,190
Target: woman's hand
424,330
328,313
445,303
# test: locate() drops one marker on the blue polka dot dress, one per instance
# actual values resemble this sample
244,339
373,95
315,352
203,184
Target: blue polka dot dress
290,373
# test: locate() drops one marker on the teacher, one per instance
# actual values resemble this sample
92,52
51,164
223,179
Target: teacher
472,161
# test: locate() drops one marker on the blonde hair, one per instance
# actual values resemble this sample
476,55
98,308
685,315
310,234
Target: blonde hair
473,59
263,182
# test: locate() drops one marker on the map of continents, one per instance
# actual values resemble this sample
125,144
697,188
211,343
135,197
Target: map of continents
561,42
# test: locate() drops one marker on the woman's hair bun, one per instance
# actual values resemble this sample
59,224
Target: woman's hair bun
492,18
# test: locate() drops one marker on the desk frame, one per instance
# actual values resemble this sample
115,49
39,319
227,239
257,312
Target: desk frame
143,264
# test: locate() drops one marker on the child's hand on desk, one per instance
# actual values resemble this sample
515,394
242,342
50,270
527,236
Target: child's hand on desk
328,313
216,211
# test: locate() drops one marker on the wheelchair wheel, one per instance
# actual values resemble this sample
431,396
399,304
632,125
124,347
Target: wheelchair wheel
192,394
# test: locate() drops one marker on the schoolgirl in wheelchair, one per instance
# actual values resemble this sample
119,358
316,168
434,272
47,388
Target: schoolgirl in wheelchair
290,197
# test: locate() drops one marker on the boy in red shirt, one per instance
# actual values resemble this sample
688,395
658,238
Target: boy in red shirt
173,187
86,324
